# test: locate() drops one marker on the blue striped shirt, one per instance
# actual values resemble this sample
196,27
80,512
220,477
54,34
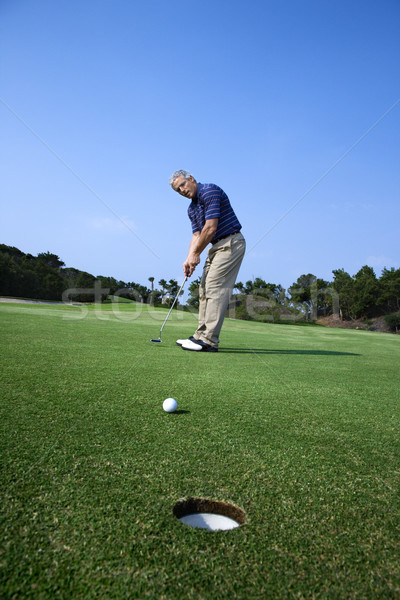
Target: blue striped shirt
212,203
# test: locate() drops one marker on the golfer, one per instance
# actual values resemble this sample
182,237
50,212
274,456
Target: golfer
213,221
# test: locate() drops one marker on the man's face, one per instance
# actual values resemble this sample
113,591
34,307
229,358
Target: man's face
185,187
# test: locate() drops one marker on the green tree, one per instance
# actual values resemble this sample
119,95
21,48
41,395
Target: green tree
11,251
343,283
163,284
139,292
258,286
366,288
155,296
172,287
193,300
248,287
389,290
9,273
259,300
393,322
79,285
27,276
110,283
311,292
51,260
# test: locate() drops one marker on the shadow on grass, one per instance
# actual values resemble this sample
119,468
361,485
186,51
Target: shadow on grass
300,352
181,411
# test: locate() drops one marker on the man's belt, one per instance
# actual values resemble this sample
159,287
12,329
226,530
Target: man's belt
225,236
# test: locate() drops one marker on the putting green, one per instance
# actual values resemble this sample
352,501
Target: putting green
295,425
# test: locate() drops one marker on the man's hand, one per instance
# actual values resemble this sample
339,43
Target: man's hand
199,241
193,259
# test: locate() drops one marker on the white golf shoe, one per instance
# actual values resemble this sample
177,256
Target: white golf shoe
191,345
198,346
181,342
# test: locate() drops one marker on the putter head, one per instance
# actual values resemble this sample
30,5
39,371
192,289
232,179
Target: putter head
156,341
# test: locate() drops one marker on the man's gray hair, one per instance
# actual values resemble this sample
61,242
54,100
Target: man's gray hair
177,174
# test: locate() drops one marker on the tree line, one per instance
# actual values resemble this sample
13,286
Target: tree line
350,297
45,277
360,296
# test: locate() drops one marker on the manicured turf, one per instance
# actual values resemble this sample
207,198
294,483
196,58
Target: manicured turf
298,426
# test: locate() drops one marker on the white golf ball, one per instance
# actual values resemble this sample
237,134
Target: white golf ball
170,405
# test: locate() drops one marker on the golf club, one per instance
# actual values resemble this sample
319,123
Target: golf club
169,312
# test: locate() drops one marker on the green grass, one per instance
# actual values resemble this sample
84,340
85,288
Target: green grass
299,426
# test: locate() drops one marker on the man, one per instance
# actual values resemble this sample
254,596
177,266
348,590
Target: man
213,221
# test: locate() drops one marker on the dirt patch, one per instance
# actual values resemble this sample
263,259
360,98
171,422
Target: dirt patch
376,324
26,301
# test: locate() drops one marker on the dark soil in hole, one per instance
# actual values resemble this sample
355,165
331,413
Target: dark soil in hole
191,506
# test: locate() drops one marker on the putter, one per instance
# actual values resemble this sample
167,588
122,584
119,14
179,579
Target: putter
169,312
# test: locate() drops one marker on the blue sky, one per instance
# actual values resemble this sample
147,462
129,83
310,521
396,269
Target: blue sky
291,106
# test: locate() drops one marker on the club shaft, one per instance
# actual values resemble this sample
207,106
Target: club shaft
173,304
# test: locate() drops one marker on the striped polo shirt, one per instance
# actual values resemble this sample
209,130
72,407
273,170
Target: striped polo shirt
212,203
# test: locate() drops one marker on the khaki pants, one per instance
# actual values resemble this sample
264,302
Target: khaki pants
217,282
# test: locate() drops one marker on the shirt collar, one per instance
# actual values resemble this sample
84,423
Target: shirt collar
196,198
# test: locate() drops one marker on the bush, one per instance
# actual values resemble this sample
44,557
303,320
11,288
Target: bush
393,321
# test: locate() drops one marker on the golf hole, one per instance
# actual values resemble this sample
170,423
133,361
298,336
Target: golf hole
209,514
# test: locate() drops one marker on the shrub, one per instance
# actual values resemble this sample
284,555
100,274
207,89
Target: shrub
393,321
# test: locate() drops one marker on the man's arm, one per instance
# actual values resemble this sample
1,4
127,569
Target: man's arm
199,241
